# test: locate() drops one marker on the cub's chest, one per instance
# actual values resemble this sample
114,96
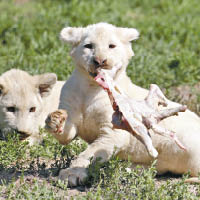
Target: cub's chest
96,112
97,107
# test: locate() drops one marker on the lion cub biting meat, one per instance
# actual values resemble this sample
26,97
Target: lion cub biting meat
25,102
88,111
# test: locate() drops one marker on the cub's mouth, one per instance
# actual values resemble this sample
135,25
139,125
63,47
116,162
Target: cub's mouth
95,68
93,74
22,135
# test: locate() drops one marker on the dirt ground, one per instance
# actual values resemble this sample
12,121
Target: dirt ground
48,175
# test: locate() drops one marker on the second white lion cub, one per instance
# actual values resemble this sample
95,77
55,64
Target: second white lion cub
25,102
89,112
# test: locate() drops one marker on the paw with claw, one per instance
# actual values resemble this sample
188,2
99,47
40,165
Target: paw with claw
75,176
55,121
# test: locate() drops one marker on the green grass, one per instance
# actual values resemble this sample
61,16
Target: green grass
167,53
34,176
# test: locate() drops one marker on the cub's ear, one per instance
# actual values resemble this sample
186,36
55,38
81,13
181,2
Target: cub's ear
71,35
128,34
45,83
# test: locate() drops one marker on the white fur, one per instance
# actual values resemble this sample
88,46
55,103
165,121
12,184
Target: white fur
22,91
90,112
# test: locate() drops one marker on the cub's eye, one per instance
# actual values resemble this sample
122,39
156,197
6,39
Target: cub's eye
112,46
11,109
88,46
32,109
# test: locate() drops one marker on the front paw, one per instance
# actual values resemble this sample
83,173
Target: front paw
75,176
55,121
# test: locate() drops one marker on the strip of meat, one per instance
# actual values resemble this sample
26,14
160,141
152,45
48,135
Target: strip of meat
138,117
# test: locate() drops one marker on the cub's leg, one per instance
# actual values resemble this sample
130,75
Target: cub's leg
58,124
110,142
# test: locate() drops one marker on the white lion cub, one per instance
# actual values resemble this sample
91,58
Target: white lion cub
89,112
25,102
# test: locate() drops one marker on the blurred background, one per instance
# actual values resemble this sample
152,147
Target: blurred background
167,52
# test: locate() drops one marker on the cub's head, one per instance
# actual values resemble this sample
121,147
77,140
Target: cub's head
100,45
22,101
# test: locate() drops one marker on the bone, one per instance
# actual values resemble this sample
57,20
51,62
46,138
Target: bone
139,116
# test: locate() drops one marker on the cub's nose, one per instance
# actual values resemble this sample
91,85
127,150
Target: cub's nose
99,62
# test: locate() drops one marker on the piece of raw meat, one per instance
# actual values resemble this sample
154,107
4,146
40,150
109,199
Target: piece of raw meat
138,117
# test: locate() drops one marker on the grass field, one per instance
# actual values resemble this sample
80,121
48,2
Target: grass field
167,54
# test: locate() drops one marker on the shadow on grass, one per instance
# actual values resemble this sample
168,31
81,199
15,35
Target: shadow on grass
34,169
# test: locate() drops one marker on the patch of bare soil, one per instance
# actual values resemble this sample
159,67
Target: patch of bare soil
29,179
186,94
47,171
38,171
173,178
